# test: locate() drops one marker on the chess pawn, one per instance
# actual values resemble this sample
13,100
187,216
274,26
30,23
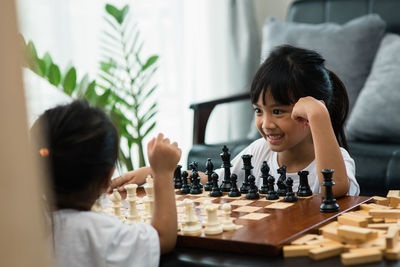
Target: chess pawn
209,171
227,223
185,187
133,216
195,189
115,198
272,194
148,211
213,227
247,167
215,191
253,192
304,188
234,192
281,181
178,177
226,164
264,177
290,196
192,226
329,202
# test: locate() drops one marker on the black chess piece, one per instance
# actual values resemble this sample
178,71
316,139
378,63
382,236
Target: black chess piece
209,171
247,171
329,202
272,194
304,188
226,164
215,191
185,189
178,177
194,166
264,177
281,181
234,192
253,191
290,196
195,189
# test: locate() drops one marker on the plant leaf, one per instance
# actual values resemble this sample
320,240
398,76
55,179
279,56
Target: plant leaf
83,85
69,82
149,129
54,74
114,12
48,62
90,93
150,61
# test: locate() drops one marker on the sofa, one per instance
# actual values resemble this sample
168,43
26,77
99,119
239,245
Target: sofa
376,154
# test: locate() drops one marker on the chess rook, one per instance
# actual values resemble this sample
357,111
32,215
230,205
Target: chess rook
244,189
329,202
304,188
226,164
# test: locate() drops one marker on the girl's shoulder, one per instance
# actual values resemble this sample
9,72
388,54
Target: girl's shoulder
259,148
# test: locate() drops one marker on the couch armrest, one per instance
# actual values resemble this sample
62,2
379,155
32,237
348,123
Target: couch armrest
202,111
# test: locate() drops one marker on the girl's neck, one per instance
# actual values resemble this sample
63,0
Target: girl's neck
296,159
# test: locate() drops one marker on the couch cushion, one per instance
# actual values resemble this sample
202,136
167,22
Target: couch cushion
376,114
348,49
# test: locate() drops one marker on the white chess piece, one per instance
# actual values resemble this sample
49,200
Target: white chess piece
97,206
213,227
149,189
227,223
147,209
116,200
133,216
192,225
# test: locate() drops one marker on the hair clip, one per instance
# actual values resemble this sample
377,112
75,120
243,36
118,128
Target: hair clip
44,152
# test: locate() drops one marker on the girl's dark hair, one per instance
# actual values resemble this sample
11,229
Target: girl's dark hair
83,149
291,73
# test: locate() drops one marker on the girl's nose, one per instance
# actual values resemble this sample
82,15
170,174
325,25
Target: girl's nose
268,122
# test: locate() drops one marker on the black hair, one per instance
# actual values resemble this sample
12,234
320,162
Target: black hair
290,73
82,145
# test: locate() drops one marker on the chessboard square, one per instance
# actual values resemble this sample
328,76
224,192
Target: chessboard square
279,205
228,197
201,199
247,209
254,216
241,202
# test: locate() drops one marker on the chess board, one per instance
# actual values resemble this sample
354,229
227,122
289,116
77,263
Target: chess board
263,226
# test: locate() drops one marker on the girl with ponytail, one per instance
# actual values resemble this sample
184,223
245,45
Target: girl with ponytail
300,109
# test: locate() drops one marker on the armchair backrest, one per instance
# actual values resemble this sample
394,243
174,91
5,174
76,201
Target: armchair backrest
341,11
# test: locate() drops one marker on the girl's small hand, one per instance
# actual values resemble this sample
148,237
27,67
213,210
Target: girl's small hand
163,156
304,107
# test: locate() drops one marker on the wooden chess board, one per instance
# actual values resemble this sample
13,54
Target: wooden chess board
264,226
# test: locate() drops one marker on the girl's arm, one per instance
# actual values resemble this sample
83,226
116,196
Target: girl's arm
326,147
163,158
133,177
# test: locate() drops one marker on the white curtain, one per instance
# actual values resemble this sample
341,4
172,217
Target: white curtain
207,49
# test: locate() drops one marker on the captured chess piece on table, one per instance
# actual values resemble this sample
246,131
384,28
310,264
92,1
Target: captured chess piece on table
226,164
209,171
329,202
281,183
304,188
247,167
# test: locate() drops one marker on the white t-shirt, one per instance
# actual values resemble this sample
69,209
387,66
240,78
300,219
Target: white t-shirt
261,152
87,238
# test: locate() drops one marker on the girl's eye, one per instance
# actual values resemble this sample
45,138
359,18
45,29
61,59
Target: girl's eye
257,110
277,111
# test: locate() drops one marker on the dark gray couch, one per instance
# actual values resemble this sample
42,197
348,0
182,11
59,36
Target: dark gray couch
377,163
